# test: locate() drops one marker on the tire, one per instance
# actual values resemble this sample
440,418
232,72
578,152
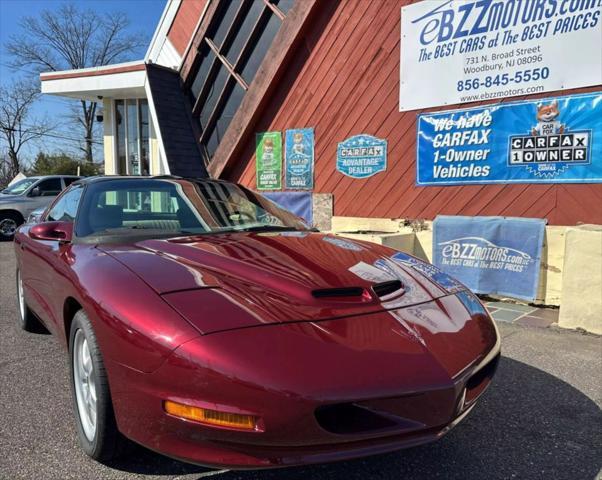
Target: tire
97,432
9,221
27,320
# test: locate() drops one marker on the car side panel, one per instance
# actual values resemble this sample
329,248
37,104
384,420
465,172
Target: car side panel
134,326
32,261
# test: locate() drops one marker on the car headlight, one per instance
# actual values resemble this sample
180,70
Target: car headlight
35,217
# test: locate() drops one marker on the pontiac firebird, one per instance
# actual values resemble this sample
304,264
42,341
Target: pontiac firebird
208,324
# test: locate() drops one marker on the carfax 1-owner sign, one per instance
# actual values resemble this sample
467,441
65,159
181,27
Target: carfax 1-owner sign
555,140
472,50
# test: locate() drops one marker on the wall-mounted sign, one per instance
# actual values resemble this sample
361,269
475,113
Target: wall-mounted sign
268,163
555,140
472,50
362,156
299,158
491,255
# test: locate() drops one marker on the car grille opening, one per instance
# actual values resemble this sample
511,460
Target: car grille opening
348,418
386,288
479,381
338,292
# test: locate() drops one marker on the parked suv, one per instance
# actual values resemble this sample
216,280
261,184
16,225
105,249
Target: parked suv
20,199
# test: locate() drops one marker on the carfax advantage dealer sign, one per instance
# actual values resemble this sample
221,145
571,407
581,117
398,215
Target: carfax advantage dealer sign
461,51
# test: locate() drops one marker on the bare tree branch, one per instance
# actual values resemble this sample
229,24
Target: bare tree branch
17,128
73,38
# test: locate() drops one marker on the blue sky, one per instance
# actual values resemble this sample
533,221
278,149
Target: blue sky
144,16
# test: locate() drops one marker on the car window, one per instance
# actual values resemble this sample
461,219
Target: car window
69,180
19,187
65,208
173,206
50,187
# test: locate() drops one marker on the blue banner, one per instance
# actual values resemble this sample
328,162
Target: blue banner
299,203
556,140
491,255
362,156
299,158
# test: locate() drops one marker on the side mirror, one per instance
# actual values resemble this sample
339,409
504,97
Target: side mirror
56,231
35,192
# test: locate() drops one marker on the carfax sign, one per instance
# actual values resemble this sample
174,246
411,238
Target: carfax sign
299,158
268,159
491,255
472,50
557,140
362,156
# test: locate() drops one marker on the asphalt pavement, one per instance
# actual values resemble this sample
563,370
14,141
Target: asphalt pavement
541,418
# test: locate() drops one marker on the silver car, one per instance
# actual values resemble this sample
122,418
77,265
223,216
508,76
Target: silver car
23,197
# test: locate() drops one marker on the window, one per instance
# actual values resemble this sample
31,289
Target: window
132,137
65,208
50,187
69,180
177,207
19,187
229,56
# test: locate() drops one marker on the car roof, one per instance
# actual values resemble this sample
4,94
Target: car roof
40,177
104,178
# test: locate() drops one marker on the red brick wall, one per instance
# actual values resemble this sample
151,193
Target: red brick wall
344,80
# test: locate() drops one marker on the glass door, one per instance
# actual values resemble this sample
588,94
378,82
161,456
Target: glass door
132,145
132,138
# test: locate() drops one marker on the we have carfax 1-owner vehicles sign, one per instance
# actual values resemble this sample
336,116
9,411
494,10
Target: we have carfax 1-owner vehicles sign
460,51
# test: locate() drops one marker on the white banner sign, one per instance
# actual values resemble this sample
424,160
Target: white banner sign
461,51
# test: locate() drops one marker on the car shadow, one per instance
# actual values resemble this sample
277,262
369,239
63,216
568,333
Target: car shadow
529,424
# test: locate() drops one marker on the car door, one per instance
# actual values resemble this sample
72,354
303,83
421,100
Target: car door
46,263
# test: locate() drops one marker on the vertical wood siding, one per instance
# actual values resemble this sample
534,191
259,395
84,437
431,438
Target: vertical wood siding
182,28
344,80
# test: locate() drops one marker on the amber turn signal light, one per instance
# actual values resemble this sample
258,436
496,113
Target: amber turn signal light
210,417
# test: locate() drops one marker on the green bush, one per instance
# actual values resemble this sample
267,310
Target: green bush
62,164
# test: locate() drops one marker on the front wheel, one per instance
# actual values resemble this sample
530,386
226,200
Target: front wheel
9,222
96,425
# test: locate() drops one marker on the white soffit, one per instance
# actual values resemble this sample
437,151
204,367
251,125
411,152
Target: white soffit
161,51
111,85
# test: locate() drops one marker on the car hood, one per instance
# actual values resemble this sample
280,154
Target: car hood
10,198
226,281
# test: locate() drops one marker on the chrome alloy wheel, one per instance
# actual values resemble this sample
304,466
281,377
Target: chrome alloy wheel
8,227
84,379
20,294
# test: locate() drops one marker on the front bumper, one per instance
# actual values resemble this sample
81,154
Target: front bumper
285,374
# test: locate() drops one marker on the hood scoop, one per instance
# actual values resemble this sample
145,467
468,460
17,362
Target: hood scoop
384,289
343,292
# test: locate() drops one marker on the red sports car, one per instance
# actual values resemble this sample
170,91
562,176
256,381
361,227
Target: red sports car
206,323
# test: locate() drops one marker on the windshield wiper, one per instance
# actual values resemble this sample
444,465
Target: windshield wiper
267,228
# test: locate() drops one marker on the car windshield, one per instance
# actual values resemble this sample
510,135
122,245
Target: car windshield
170,207
19,187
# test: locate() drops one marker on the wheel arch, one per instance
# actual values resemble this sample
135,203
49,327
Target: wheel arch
70,308
14,212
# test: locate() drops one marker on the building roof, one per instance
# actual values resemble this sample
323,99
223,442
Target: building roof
174,123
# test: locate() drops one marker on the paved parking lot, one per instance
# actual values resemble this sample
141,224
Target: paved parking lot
540,419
